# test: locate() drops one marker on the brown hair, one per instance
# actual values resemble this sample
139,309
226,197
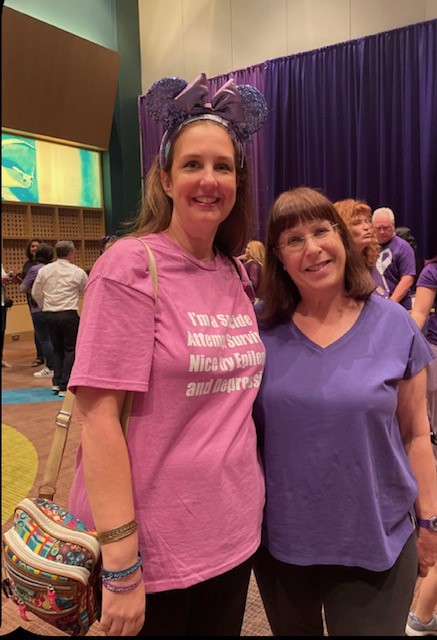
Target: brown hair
349,209
156,209
279,293
28,244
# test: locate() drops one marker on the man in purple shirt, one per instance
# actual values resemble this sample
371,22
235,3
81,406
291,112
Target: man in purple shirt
396,262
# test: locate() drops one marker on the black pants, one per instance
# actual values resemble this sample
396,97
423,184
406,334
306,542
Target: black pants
39,348
63,328
42,338
356,602
214,607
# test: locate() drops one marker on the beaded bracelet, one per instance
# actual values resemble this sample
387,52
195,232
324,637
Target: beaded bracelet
117,575
105,537
123,588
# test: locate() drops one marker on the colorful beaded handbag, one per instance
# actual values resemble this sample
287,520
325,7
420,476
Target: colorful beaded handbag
51,559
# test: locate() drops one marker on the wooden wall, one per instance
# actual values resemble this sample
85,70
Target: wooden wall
55,84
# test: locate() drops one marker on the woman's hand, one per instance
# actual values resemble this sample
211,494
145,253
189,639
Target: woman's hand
426,549
123,613
8,278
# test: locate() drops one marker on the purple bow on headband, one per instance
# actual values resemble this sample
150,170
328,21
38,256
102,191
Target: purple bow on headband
226,103
242,109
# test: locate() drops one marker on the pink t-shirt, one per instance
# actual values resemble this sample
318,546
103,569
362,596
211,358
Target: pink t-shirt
195,359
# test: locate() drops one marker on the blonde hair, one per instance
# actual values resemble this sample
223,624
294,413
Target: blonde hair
255,250
349,209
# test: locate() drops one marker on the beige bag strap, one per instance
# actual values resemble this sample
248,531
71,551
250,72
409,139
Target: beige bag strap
63,418
62,421
127,405
152,268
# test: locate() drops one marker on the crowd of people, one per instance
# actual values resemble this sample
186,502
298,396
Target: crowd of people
303,386
52,289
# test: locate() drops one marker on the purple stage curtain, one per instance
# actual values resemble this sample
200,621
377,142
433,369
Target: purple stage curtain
150,137
357,120
254,149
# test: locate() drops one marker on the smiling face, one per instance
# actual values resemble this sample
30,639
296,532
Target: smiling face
319,264
33,247
202,180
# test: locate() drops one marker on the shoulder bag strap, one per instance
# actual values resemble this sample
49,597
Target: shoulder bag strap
127,405
63,418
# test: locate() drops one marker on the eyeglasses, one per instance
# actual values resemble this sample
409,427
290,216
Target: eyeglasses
383,228
295,244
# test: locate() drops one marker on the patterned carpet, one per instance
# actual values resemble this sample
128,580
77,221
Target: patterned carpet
28,413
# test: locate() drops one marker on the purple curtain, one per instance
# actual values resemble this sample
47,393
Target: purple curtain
150,137
357,119
254,149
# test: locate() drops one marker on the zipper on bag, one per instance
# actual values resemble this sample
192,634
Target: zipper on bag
19,548
22,577
57,530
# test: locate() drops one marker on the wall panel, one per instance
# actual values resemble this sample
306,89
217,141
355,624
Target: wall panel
55,84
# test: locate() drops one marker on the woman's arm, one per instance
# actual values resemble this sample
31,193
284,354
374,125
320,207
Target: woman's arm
28,280
402,288
415,429
109,488
422,305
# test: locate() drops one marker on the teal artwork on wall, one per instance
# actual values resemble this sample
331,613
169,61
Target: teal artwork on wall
50,173
19,180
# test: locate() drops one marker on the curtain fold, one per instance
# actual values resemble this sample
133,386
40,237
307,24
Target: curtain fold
357,119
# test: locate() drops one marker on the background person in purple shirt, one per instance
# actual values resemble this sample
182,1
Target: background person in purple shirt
343,433
397,261
424,312
357,215
253,260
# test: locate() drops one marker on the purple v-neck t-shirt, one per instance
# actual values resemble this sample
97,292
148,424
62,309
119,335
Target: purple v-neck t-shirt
428,279
339,487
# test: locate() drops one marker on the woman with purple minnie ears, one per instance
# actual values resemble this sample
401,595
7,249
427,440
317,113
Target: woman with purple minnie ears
178,504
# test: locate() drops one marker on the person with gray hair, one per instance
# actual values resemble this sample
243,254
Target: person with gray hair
397,261
64,248
56,290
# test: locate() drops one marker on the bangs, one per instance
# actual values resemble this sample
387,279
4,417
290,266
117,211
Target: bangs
289,211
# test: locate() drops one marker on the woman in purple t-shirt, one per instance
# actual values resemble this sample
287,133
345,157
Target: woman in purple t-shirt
253,260
424,312
358,217
344,435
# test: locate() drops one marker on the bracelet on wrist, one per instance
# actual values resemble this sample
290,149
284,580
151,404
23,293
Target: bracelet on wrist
118,575
125,588
118,533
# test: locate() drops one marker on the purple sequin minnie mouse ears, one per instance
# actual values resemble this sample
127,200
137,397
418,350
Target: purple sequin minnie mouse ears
241,109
